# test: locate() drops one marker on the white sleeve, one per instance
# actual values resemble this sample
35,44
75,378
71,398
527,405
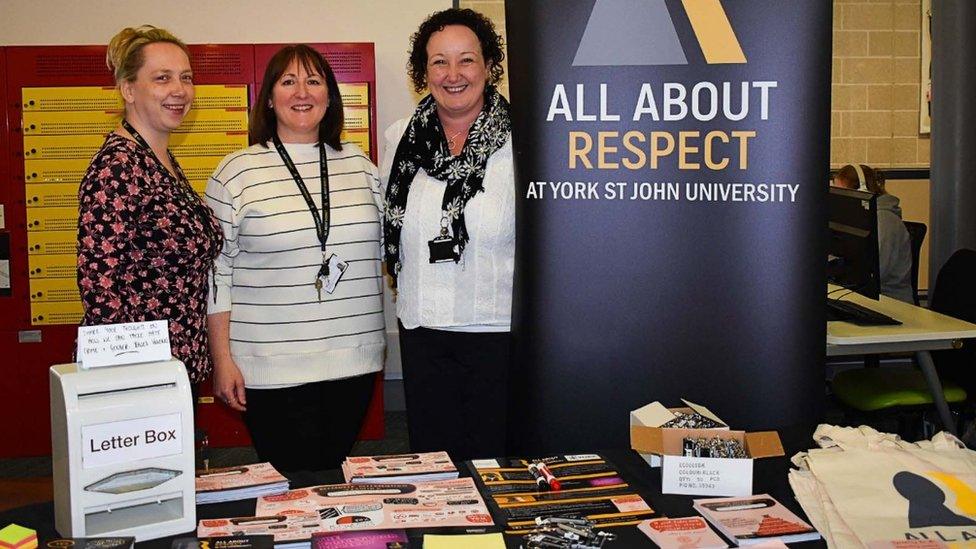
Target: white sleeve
392,138
221,202
379,195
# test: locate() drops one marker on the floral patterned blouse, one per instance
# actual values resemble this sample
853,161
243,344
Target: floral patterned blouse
146,246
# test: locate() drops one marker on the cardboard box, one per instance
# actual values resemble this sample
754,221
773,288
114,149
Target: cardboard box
701,476
655,415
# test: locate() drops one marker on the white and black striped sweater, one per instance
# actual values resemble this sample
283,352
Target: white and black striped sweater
280,333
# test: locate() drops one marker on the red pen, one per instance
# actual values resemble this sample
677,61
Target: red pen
550,478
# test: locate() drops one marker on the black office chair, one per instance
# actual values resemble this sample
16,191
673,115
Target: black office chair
905,390
916,234
954,295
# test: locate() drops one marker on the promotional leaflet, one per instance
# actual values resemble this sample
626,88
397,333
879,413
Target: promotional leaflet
399,468
373,539
227,542
589,486
755,519
241,482
586,472
91,543
288,530
388,505
681,533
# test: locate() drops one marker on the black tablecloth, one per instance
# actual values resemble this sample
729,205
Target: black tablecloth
770,476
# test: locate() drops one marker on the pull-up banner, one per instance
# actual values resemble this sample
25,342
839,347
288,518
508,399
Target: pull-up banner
671,161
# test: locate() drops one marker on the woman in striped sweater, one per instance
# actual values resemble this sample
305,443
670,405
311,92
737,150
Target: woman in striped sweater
296,320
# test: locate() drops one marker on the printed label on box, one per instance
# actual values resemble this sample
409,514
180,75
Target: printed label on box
130,440
693,476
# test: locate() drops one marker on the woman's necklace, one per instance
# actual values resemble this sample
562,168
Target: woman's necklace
452,139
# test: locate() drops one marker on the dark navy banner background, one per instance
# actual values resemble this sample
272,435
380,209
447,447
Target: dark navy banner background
621,302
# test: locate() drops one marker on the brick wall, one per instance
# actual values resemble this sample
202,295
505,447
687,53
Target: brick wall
875,89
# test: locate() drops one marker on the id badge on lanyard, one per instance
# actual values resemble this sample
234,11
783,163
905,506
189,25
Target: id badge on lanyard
332,268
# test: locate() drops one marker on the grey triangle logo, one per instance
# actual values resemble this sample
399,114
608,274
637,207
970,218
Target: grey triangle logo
629,32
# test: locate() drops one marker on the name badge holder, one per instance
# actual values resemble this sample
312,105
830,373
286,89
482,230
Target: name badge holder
324,278
442,247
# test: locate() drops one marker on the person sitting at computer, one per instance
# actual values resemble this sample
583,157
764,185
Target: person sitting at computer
894,244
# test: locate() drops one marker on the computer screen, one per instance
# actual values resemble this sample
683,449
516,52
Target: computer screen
852,250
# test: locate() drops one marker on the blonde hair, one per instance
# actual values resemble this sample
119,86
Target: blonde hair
124,56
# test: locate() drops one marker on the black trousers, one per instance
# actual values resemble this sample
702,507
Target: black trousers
456,387
310,427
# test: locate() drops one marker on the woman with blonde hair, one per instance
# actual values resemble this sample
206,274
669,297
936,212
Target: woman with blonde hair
146,241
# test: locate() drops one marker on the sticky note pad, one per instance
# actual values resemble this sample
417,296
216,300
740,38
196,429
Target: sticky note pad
17,537
468,541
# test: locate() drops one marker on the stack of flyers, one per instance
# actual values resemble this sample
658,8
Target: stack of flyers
419,467
344,507
681,533
755,519
289,531
242,482
372,539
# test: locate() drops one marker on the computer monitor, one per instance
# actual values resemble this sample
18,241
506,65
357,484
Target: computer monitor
852,251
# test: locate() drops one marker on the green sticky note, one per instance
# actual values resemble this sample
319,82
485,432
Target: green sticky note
14,535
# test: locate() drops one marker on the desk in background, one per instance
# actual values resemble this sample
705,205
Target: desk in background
921,331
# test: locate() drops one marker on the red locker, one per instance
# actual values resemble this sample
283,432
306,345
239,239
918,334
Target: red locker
28,347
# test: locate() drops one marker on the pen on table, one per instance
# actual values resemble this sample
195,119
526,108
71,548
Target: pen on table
550,478
540,478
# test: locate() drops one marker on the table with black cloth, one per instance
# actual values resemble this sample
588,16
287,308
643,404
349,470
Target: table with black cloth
770,476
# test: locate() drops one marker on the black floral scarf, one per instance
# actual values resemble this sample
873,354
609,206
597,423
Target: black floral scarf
424,145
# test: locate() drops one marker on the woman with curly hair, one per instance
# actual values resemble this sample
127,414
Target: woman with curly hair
450,237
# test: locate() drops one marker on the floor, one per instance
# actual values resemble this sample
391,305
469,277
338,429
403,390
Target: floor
24,481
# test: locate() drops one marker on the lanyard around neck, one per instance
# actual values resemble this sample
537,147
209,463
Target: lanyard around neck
185,183
321,219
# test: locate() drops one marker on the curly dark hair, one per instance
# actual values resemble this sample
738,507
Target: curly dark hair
481,26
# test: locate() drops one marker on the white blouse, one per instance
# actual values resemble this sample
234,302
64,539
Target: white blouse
474,295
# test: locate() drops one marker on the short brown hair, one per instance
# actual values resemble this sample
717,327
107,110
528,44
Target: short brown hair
874,179
264,124
481,26
124,56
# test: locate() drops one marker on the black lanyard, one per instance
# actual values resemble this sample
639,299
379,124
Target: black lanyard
184,184
321,220
186,189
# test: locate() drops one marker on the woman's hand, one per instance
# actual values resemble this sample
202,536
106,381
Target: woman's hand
228,381
229,385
